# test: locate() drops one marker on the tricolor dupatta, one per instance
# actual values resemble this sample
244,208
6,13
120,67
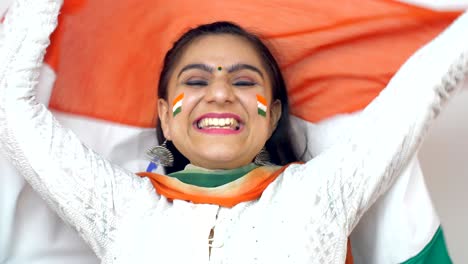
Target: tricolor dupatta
247,188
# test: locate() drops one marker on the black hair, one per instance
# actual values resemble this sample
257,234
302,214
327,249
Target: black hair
279,145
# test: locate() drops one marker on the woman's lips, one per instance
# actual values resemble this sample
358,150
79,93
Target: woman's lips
219,123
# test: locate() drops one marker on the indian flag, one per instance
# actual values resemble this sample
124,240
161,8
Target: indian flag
177,104
261,105
334,66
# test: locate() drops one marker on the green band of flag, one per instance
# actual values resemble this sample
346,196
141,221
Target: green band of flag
435,252
178,110
261,112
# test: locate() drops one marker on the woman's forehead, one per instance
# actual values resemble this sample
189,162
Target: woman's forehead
220,50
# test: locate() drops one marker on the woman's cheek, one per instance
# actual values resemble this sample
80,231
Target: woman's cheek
184,118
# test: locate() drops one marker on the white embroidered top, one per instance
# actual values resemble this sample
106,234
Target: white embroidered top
305,216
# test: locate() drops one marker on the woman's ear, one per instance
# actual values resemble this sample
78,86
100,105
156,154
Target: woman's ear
275,114
163,112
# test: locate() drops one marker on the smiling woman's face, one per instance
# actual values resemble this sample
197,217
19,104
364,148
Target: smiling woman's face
219,125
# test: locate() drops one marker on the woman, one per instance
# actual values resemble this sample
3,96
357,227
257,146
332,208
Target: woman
219,107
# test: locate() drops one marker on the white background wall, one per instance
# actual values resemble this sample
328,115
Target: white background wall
444,161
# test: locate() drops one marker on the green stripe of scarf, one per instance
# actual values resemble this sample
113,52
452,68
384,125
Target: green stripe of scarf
210,178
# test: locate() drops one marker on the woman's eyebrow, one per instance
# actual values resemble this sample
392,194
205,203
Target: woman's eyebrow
230,69
200,66
242,66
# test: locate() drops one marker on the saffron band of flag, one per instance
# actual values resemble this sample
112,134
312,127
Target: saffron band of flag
262,105
177,104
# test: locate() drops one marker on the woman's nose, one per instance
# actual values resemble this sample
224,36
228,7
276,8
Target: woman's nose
220,92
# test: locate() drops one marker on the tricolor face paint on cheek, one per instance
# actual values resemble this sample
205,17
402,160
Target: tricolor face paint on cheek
177,104
261,105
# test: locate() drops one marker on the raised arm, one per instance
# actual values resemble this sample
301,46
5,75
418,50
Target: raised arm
82,187
392,127
351,175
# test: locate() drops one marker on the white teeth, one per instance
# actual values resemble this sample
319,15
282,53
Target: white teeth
224,123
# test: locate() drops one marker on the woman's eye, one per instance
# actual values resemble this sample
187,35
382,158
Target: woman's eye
244,83
196,83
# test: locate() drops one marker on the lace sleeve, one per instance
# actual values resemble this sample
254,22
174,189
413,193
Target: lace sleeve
391,128
82,187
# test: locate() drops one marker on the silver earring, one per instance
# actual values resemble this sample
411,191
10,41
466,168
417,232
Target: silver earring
263,158
161,155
